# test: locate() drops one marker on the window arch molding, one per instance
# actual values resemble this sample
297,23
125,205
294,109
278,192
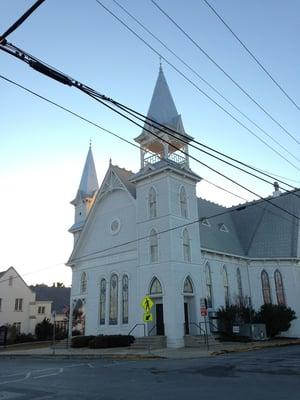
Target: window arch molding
279,287
186,245
83,283
152,202
266,288
155,287
188,286
183,202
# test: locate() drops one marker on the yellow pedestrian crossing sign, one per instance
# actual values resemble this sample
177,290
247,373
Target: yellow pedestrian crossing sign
147,304
147,317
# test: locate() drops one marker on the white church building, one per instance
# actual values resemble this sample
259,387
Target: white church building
148,234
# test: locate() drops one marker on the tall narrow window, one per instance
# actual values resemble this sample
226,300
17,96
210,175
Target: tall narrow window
125,299
102,301
186,246
226,286
152,203
209,291
239,285
183,203
265,283
83,283
155,287
153,246
188,286
18,304
113,300
0,304
279,288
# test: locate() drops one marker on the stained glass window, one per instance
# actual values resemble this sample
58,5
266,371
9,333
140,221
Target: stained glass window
83,283
183,203
209,291
102,301
155,287
279,288
265,282
188,286
152,203
113,300
226,286
186,246
125,299
153,246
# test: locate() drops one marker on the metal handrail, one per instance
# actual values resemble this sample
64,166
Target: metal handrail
135,326
154,326
198,326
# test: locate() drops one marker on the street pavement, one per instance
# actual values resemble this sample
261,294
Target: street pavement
266,374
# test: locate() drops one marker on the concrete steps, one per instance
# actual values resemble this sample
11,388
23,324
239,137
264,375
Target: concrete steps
200,341
149,343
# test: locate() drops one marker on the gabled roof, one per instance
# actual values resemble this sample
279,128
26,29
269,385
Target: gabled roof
60,297
89,182
124,175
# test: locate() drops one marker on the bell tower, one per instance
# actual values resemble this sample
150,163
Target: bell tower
85,194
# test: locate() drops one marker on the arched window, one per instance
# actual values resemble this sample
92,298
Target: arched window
188,286
153,246
186,246
226,286
265,283
125,299
209,291
152,203
155,287
102,301
239,284
279,288
83,283
183,203
113,300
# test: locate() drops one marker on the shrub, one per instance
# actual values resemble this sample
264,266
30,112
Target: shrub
277,318
235,314
44,330
24,338
105,341
81,341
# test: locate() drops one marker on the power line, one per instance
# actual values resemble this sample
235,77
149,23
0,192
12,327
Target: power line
205,81
225,73
62,78
251,54
199,89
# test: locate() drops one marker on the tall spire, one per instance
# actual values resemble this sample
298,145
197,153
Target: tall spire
89,182
162,107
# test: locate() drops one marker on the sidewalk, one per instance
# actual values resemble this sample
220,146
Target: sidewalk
131,354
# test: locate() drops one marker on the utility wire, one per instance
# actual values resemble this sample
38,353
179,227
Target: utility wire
205,81
224,72
101,127
251,54
228,211
16,25
62,78
198,88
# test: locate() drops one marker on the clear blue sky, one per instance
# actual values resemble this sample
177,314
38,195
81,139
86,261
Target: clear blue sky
43,149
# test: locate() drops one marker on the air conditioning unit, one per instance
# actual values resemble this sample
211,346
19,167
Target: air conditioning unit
254,331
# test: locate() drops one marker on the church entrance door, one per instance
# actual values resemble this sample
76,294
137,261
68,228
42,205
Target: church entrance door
186,319
160,328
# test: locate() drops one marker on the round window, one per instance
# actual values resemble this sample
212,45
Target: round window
115,226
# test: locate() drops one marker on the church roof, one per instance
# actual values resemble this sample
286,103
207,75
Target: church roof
89,182
124,175
254,229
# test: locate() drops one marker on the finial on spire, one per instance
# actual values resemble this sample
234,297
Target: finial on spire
90,142
160,63
110,161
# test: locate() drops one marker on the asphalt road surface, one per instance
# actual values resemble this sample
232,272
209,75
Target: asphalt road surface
269,374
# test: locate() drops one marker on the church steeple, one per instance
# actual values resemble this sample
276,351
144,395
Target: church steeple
162,109
85,194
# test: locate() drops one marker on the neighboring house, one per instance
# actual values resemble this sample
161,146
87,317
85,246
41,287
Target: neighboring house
147,233
17,302
52,300
25,306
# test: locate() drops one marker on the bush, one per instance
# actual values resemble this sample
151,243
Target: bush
24,338
44,330
277,318
234,314
105,341
81,341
